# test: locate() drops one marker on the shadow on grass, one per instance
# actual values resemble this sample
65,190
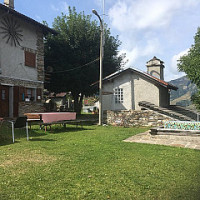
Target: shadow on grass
7,142
41,139
57,130
35,131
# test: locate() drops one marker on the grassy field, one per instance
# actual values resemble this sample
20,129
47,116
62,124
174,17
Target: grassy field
95,163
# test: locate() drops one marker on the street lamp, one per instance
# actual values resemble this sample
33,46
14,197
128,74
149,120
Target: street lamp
101,69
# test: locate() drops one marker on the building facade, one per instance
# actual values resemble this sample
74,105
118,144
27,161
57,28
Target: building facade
124,90
21,62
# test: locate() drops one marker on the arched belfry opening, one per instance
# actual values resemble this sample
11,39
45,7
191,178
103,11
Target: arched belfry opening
155,67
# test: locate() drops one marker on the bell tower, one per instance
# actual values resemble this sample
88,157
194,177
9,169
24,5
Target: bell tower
155,67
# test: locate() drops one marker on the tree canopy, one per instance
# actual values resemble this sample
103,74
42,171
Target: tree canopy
74,55
190,64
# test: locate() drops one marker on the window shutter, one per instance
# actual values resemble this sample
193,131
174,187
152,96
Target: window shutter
16,101
21,93
39,94
30,59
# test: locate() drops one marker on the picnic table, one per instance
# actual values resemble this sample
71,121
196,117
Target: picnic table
49,118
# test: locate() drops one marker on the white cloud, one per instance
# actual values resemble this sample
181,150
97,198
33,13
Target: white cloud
141,14
172,71
152,47
139,52
131,55
61,6
174,61
158,28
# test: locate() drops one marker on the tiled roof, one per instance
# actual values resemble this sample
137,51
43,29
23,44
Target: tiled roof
144,74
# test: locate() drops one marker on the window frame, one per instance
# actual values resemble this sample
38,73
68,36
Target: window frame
119,95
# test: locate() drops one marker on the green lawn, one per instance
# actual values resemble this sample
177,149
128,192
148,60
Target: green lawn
94,163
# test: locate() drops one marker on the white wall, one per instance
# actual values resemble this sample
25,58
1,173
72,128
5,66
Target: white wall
124,82
144,90
12,57
135,88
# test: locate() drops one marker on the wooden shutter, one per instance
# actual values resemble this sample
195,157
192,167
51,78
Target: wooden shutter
21,94
30,59
39,93
16,101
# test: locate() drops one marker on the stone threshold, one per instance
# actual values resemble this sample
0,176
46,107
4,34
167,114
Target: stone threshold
178,132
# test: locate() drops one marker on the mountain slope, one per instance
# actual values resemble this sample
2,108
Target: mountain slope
185,90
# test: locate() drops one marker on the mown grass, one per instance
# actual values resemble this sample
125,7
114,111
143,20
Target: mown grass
95,163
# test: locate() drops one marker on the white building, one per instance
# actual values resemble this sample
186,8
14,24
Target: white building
125,89
21,62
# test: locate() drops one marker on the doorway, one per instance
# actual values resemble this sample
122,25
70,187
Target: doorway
4,101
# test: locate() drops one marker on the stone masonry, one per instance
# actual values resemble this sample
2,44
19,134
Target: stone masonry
136,118
40,56
27,107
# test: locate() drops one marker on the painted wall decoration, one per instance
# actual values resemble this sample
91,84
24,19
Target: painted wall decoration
11,31
183,125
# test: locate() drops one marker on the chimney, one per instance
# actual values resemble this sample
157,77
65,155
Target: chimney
9,3
155,67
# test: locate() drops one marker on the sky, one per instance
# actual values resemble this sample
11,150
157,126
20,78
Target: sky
146,28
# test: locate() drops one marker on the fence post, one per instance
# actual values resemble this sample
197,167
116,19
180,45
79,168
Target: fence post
13,134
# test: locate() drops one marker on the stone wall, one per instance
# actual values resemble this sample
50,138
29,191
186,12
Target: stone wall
20,82
136,118
27,107
40,55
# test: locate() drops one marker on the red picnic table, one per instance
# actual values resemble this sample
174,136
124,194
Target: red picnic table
50,118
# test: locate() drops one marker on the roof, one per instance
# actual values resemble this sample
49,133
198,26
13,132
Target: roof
28,19
62,94
143,74
155,58
152,62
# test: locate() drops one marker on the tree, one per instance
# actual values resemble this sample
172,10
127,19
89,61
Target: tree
190,64
74,55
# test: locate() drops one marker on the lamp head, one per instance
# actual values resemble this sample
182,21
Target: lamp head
95,12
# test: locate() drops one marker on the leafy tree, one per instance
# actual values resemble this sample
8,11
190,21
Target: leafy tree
190,64
71,54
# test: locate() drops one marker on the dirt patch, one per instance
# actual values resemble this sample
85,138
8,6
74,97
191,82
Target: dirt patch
33,157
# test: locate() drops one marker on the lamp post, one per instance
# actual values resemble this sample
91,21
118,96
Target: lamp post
101,69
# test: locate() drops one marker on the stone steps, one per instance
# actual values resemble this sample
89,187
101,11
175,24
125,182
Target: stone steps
166,111
187,112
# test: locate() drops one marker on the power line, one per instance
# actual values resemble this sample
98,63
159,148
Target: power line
78,67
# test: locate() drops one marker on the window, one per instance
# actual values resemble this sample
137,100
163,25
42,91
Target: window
30,59
119,97
30,94
3,94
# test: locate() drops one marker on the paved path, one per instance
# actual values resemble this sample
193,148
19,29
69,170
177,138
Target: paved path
192,142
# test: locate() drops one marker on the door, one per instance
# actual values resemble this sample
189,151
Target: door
4,101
